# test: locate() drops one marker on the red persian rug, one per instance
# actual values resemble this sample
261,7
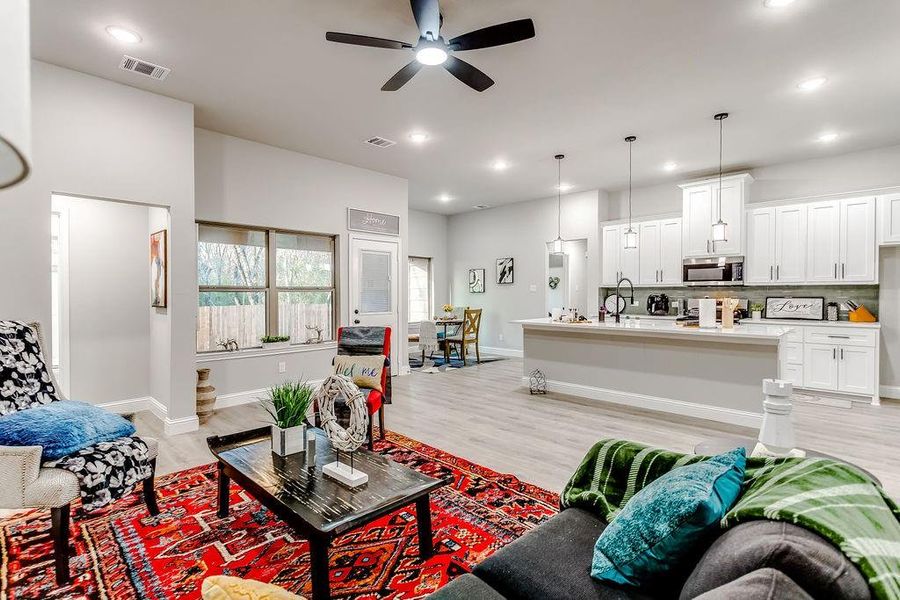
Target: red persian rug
123,553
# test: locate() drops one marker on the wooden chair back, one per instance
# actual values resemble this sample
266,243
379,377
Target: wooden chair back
471,323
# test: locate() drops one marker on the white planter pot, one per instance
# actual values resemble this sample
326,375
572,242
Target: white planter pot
757,315
273,345
288,441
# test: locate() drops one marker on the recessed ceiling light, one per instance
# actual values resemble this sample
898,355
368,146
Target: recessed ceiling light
670,166
812,84
445,197
565,187
827,138
777,3
431,55
418,137
123,35
500,165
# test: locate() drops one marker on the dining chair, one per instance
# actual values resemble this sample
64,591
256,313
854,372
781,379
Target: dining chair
468,334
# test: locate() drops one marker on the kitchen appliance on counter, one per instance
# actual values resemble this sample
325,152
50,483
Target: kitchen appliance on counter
716,271
693,312
658,304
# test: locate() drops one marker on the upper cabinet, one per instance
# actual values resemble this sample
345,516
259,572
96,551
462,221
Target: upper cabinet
656,261
701,205
619,262
889,209
821,242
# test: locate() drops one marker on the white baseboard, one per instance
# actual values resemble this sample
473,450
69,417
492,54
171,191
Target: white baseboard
182,425
129,406
890,391
508,352
668,405
159,410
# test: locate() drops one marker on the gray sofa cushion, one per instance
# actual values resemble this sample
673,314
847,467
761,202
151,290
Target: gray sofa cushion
762,584
811,562
466,587
552,562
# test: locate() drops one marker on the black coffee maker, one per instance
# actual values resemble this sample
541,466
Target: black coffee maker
658,304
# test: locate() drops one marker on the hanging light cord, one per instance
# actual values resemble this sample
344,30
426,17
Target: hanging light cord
558,198
630,146
721,143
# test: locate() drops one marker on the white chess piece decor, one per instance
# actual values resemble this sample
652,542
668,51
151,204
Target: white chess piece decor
776,436
343,440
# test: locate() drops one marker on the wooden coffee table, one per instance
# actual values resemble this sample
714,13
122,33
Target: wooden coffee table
317,507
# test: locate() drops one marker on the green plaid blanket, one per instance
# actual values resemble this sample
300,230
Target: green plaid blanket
831,498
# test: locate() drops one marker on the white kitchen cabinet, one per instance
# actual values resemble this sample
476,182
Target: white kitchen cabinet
820,370
619,262
823,241
793,373
889,207
760,264
856,368
670,251
700,209
858,241
629,260
790,244
648,249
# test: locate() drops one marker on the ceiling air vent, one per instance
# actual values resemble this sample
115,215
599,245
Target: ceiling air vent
380,142
142,67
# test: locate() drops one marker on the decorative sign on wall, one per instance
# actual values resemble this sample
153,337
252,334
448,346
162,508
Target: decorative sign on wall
372,222
158,269
505,273
476,281
812,309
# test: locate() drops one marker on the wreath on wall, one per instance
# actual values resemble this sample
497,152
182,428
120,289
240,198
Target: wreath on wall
342,439
554,281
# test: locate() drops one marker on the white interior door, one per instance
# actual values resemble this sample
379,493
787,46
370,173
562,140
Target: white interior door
374,288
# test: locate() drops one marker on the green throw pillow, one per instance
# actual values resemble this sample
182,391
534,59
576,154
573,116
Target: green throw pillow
667,520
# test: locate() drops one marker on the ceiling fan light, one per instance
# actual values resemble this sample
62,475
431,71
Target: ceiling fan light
631,239
720,231
431,56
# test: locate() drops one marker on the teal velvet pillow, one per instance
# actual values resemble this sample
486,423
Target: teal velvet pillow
666,520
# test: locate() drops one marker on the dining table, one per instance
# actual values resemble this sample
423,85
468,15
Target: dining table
447,322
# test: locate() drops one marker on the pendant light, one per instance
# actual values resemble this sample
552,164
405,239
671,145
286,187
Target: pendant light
558,242
15,92
631,236
720,227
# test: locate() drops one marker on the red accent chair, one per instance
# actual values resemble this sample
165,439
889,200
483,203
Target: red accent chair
376,400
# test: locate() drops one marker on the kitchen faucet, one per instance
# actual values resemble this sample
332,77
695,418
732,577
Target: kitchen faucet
630,298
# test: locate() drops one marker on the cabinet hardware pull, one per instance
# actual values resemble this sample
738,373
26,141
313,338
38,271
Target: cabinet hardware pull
778,272
770,272
842,270
833,353
660,275
707,246
842,354
840,337
835,270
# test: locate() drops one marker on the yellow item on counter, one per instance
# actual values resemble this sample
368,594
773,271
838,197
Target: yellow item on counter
223,587
862,315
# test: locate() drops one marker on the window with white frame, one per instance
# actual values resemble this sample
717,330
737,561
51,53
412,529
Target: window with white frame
263,282
419,289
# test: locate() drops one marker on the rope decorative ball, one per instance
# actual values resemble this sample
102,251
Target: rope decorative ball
351,438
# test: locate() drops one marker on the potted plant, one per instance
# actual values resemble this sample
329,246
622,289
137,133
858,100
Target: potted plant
448,311
756,311
287,404
275,341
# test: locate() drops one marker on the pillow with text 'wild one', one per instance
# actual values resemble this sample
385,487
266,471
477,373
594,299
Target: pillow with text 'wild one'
365,371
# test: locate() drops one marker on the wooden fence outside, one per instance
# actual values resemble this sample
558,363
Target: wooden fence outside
247,323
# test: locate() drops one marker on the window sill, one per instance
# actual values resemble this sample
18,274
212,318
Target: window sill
258,352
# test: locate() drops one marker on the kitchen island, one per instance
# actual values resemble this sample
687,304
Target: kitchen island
657,365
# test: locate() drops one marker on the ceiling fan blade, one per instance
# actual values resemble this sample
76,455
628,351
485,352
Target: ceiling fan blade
428,17
365,40
468,74
495,35
401,77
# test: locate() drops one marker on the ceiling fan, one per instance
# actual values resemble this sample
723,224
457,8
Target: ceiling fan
432,49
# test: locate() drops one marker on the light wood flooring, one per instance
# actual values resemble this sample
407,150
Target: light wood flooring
484,415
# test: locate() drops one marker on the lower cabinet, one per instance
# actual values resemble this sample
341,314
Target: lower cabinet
821,372
837,368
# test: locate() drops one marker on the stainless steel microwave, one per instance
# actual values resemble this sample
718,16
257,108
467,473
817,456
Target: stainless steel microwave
721,270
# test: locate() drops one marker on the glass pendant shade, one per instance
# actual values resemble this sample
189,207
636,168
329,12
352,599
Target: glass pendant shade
631,239
558,246
720,231
15,92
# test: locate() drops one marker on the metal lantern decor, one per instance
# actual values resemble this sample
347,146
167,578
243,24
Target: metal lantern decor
538,383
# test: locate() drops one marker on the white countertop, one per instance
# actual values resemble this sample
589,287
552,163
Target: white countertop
803,322
751,333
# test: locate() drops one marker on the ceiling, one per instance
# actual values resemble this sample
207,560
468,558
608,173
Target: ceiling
597,70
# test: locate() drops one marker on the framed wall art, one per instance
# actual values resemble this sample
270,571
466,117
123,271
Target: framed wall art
809,309
159,267
505,273
476,281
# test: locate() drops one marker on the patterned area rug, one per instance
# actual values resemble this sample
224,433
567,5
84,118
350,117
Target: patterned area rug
123,553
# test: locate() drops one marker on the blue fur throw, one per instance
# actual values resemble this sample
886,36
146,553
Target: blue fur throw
62,427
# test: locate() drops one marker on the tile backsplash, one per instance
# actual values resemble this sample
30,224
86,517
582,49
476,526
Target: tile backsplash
861,294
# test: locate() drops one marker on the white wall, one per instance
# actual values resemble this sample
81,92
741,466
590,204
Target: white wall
521,231
428,238
843,174
95,138
243,182
108,275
